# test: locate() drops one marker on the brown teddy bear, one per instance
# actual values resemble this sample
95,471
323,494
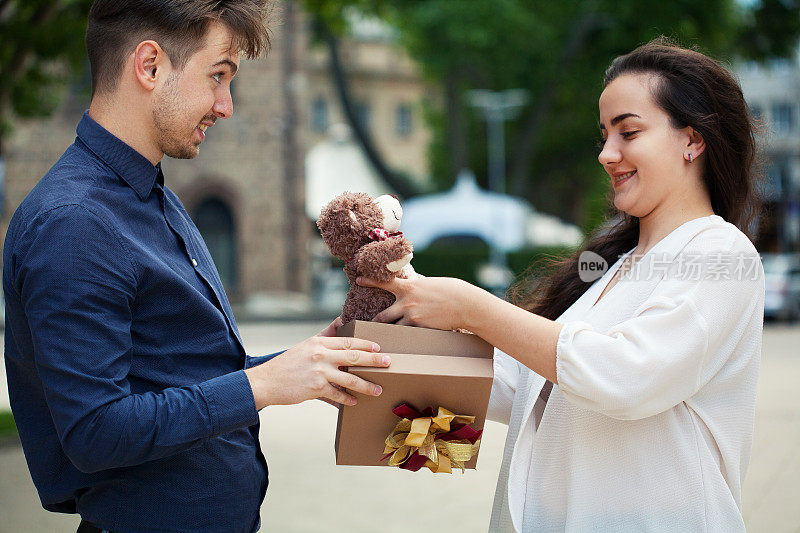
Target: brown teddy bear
364,233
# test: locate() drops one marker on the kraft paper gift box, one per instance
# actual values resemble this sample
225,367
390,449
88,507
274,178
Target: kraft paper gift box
430,368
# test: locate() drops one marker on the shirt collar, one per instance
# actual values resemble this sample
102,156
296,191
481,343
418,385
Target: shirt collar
134,169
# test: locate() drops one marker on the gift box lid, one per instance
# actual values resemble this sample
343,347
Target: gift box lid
393,338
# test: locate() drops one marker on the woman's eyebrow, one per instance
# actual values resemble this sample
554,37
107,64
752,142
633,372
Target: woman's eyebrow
619,118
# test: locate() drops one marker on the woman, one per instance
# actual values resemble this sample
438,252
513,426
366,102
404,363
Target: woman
645,421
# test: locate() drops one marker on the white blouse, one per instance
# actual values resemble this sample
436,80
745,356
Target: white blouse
651,423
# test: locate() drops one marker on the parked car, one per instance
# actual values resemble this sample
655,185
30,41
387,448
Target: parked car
782,281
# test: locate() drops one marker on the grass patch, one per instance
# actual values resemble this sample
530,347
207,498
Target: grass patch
7,425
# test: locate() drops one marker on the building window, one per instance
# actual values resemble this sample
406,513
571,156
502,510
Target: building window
779,183
783,117
403,120
319,115
363,113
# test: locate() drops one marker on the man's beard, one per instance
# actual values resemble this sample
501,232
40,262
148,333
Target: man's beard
173,139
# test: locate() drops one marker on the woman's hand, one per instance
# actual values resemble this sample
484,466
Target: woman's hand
330,331
440,303
449,303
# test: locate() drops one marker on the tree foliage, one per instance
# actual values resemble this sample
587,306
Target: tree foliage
40,49
558,51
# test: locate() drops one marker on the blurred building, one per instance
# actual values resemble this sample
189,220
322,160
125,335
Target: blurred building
246,190
387,91
773,92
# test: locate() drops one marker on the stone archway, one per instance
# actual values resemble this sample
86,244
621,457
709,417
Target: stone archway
216,223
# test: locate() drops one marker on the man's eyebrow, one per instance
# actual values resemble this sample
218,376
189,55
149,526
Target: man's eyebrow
233,66
619,118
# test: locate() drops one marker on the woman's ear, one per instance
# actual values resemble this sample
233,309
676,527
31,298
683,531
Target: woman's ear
696,145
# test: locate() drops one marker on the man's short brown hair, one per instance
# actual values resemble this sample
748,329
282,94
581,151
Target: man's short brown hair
116,27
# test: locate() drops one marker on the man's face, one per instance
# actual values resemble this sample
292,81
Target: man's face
191,100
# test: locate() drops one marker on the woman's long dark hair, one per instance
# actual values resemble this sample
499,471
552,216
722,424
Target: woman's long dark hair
696,91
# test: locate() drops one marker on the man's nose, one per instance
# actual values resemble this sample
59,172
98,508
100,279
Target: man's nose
223,105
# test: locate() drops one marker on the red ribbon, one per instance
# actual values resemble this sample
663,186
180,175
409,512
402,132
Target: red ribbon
417,461
380,234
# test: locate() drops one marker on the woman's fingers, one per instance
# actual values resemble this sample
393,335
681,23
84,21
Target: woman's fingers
369,282
389,315
330,331
394,285
405,321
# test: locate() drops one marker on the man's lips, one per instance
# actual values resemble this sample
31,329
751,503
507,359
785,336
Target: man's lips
203,127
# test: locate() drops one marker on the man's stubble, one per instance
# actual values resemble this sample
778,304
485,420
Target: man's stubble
174,134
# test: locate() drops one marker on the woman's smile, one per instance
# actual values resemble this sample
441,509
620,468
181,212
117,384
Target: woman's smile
619,179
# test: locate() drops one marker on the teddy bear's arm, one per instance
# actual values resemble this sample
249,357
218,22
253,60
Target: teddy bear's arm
382,260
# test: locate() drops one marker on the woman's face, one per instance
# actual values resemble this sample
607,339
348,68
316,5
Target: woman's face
642,153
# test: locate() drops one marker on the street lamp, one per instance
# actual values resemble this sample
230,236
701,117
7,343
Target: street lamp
497,107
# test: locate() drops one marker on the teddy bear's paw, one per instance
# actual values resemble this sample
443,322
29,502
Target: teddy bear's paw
396,266
408,272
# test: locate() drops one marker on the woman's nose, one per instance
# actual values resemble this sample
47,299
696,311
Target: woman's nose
609,154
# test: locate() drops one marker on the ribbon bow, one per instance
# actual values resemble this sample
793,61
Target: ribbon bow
437,442
380,234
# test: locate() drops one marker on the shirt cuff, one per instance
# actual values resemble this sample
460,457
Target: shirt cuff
567,371
252,361
230,402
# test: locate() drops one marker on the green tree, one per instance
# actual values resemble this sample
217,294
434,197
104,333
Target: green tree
558,51
41,46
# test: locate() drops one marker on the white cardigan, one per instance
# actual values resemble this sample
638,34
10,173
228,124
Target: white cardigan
651,423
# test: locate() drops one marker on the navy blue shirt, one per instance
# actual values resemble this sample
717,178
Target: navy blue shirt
124,362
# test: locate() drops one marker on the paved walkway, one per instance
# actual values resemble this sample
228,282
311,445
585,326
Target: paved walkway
308,493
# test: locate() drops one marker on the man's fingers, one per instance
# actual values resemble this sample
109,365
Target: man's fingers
349,343
358,358
329,401
353,383
337,396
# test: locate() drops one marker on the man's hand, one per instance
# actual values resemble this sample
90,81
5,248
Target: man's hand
311,370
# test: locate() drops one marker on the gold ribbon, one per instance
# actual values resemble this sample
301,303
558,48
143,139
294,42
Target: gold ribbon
419,435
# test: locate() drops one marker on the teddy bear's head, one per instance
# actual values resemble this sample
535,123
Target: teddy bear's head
346,222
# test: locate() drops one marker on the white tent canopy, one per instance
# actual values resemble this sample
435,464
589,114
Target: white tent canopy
503,221
337,165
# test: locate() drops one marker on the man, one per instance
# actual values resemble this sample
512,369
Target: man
135,402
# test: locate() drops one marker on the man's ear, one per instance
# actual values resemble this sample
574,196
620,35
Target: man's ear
149,64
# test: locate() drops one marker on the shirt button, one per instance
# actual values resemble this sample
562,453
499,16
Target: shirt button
194,261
